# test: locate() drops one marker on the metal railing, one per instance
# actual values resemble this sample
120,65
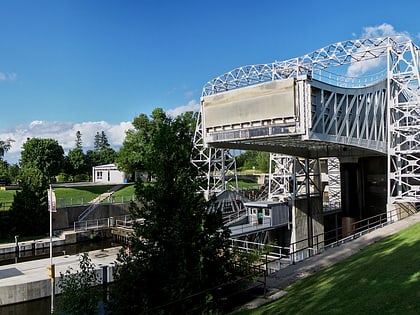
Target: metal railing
99,223
81,201
280,257
5,206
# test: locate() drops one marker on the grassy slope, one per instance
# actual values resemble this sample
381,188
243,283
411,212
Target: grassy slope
383,278
6,195
86,192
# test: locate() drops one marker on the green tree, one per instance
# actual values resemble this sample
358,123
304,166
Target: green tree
41,160
29,211
102,152
79,140
4,147
43,154
181,247
253,160
81,293
263,161
76,160
130,156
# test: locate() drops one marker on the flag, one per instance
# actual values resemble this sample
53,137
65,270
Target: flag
52,203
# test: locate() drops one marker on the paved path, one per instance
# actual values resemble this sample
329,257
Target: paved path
279,281
29,280
29,271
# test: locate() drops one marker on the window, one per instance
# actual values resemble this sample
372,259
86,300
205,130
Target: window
267,212
98,175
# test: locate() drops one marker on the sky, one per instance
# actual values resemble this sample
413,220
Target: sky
95,65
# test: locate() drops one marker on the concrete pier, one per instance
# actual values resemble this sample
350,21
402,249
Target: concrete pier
27,281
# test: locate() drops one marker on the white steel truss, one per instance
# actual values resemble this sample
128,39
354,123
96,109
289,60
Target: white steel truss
334,185
398,126
404,123
350,116
217,167
281,172
342,53
292,177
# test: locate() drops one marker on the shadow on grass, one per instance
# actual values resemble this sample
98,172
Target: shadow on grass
382,278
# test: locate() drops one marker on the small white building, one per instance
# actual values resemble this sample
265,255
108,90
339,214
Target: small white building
108,173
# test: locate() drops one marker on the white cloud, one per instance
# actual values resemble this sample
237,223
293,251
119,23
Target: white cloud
7,76
64,133
357,69
191,106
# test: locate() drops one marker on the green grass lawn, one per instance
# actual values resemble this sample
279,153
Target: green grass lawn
6,198
383,278
127,190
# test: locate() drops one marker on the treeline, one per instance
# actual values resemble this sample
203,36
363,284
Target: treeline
76,166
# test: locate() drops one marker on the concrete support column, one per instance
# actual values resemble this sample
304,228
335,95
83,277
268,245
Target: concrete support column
350,208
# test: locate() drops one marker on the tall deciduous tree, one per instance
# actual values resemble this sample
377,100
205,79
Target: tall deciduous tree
43,154
4,147
182,247
29,211
41,160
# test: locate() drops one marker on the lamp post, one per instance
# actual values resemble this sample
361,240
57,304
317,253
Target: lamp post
51,268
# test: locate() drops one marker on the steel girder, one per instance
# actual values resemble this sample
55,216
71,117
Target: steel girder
403,123
354,117
217,167
293,177
334,55
402,116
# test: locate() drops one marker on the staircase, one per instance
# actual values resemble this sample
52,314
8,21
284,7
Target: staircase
95,202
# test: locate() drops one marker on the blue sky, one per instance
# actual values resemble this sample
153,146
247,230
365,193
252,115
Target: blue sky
94,65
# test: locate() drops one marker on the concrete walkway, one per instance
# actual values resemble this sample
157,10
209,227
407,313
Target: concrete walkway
279,281
29,280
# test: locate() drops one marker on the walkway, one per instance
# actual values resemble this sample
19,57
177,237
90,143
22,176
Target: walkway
279,281
29,280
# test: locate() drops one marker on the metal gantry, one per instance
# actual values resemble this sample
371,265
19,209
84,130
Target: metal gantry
217,166
383,117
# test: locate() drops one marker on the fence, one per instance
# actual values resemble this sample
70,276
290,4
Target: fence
80,201
100,223
5,206
279,256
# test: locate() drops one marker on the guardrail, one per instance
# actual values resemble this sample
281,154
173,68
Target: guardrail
99,223
81,201
5,206
279,256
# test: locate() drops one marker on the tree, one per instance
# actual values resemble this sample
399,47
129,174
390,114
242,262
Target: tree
81,293
79,140
4,147
181,247
254,160
41,160
76,160
102,152
43,154
131,154
29,211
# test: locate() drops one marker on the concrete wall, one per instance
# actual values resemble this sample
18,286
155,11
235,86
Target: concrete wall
308,226
64,218
37,289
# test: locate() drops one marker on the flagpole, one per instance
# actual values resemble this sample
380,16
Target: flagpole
51,267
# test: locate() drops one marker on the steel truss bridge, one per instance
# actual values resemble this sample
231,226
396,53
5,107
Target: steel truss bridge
305,108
